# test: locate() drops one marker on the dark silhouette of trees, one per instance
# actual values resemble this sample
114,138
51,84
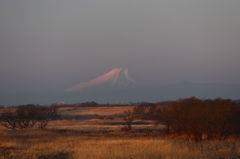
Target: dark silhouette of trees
27,116
195,118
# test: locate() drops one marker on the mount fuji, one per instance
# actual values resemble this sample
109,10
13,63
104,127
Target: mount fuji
117,86
116,78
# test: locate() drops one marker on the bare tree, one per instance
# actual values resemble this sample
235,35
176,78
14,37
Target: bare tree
128,118
27,116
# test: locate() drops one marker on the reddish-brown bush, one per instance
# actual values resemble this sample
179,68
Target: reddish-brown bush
196,118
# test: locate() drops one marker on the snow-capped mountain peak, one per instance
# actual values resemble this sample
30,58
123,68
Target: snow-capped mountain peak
115,77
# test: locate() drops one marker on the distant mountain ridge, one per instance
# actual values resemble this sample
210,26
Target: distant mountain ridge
107,92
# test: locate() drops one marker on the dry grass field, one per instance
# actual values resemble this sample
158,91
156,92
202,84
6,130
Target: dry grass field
103,110
97,136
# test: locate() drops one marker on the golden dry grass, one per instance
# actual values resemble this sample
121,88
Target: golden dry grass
107,110
97,139
31,145
104,123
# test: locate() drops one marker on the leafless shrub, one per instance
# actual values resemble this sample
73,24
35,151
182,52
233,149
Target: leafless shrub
128,118
27,116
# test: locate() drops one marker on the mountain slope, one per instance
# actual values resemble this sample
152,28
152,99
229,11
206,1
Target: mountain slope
115,77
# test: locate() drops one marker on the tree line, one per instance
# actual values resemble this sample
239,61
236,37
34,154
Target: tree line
195,118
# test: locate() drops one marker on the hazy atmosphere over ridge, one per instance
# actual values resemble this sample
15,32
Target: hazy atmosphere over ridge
48,45
113,77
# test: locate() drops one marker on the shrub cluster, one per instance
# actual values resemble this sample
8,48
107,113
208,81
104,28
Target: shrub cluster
196,118
27,116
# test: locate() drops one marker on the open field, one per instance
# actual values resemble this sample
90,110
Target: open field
95,133
96,118
103,110
54,145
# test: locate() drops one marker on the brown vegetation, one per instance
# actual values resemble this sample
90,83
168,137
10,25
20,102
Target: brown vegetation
154,131
52,145
197,119
27,116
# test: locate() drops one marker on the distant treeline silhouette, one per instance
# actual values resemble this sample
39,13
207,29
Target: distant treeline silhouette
195,118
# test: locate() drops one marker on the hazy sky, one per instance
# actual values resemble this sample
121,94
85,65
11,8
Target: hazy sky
48,45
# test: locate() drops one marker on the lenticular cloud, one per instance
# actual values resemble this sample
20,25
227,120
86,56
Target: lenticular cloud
114,77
